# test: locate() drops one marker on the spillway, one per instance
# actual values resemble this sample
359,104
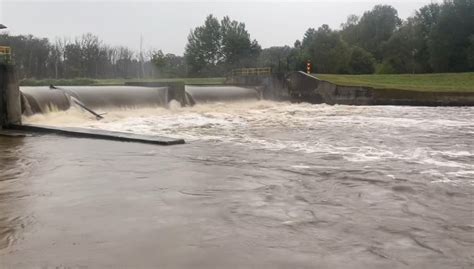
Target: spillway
44,99
209,94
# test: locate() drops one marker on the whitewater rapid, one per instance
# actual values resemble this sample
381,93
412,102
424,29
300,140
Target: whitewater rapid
257,185
439,139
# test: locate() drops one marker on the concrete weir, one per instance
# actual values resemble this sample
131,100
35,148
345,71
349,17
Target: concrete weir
13,103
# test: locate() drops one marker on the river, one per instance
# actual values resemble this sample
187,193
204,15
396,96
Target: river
258,185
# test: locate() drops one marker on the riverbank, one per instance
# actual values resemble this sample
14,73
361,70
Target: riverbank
449,82
382,89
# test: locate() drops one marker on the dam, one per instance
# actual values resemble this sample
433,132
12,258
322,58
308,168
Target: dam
260,183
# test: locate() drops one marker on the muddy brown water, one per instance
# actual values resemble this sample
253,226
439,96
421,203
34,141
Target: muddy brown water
259,185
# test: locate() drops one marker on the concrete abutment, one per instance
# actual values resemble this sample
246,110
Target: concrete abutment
10,98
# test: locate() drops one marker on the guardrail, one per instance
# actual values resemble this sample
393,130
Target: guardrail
252,71
5,54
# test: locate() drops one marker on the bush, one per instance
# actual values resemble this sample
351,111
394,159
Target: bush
385,68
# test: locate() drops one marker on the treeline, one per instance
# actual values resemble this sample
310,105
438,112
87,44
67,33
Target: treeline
438,38
87,56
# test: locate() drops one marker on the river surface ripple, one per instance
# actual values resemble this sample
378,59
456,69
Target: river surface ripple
259,184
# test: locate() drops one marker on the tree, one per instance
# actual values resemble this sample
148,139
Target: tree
373,28
400,51
424,21
175,65
361,62
237,48
158,59
125,62
470,52
73,60
349,30
215,48
449,37
203,51
326,50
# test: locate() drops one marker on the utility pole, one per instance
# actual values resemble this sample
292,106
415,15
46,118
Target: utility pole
142,67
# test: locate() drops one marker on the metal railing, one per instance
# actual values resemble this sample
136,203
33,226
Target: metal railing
252,71
5,54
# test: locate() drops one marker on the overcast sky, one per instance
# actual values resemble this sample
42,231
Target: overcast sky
166,24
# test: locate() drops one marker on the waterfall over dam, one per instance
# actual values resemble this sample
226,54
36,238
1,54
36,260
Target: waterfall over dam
45,99
209,94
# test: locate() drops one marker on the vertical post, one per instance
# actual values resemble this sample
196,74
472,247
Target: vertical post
142,67
176,92
10,100
3,105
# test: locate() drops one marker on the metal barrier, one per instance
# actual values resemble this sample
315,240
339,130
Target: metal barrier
252,71
5,54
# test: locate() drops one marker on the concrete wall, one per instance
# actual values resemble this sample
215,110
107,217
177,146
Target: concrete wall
3,103
306,88
10,104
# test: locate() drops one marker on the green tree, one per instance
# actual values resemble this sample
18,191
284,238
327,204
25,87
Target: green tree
280,59
400,51
449,37
373,28
203,50
238,50
361,62
158,59
470,52
349,31
215,48
424,21
326,50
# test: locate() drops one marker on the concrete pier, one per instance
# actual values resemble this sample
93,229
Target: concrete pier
10,104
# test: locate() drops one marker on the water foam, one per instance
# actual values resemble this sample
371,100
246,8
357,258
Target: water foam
432,137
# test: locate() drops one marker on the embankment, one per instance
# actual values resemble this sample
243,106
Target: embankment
303,87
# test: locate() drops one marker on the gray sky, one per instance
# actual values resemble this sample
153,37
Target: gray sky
166,24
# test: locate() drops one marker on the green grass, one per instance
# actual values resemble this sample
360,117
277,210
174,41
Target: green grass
212,81
62,82
452,82
104,82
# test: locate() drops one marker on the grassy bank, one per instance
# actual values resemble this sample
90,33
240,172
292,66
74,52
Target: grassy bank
453,82
104,82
